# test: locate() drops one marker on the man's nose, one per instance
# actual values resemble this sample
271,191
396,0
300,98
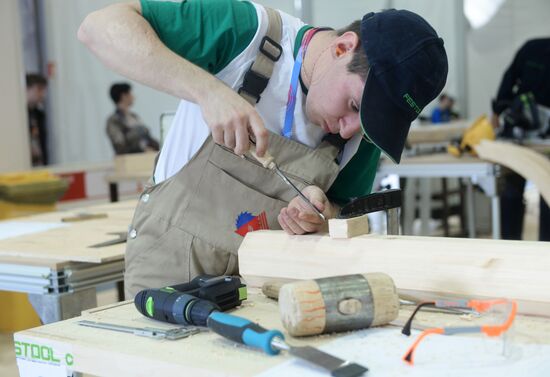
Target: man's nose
349,125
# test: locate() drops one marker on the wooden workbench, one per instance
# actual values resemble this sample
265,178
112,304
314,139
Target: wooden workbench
104,352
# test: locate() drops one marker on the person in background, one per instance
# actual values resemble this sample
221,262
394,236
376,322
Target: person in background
125,129
529,73
36,94
444,113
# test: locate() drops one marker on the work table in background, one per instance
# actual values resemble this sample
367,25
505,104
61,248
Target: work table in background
51,261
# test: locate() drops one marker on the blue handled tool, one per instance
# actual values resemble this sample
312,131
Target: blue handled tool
243,331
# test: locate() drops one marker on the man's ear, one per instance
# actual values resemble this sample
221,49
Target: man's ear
345,43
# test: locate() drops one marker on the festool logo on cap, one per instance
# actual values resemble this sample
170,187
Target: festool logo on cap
411,103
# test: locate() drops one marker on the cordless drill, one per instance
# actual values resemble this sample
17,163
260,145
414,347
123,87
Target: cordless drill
191,303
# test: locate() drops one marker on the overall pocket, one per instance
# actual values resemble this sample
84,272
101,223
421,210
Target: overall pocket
225,208
157,258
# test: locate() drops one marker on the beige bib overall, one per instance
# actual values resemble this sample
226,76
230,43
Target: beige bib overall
194,222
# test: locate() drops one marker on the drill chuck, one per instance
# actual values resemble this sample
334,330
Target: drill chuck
169,305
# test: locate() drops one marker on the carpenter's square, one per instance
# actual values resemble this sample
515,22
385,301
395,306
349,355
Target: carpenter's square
268,162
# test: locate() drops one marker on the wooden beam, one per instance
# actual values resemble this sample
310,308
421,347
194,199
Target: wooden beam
437,133
531,165
427,266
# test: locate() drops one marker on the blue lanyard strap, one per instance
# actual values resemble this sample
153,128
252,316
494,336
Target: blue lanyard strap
291,100
294,83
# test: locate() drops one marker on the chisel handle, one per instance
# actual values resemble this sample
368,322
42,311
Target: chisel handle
268,161
243,331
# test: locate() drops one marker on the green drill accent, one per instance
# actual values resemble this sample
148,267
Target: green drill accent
243,293
150,306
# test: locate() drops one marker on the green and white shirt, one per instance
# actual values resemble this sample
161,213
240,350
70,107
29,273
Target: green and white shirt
223,37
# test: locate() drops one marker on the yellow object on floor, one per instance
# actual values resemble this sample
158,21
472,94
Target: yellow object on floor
17,312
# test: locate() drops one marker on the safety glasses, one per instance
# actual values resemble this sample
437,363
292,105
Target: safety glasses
481,306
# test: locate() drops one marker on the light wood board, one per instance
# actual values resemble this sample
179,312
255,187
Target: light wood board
135,162
107,353
71,243
531,165
437,133
433,266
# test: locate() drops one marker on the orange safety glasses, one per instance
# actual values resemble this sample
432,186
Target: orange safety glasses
480,306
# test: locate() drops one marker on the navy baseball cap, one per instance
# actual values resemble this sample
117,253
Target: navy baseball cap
408,69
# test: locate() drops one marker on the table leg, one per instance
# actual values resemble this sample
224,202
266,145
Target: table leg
113,191
59,306
120,290
425,205
470,208
495,216
409,205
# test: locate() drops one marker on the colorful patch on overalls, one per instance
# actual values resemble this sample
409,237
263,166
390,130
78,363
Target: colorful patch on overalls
247,222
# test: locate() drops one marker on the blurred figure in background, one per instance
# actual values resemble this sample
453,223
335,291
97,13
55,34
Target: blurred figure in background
524,90
36,94
125,129
444,112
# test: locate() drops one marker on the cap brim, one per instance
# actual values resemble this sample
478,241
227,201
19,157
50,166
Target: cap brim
383,122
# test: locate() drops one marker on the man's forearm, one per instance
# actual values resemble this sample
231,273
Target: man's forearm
125,42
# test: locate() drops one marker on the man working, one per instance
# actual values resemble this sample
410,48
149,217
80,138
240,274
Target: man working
529,74
365,84
125,129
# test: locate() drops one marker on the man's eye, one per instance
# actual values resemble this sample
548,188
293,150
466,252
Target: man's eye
354,107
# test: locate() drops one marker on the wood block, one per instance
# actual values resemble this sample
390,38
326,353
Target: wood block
347,228
433,266
135,162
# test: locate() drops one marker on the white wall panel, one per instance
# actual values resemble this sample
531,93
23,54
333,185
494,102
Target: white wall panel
490,49
14,142
78,90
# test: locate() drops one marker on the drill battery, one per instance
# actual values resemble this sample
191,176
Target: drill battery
225,291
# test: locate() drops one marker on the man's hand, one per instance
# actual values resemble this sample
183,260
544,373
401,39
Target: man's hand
231,119
299,218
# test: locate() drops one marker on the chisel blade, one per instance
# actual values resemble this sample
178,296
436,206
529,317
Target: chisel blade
337,367
300,194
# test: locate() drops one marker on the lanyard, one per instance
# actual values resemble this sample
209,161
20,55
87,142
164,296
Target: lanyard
292,90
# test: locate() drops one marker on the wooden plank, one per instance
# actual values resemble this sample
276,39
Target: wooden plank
71,243
437,133
430,265
531,165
